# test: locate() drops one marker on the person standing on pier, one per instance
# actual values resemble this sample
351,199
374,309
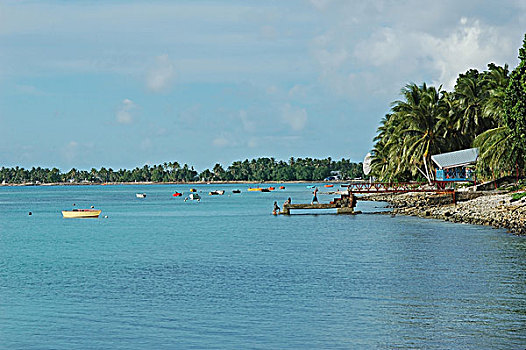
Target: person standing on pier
276,208
315,198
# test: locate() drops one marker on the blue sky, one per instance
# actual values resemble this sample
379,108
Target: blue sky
126,83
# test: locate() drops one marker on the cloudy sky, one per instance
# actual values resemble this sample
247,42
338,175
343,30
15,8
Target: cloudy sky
126,83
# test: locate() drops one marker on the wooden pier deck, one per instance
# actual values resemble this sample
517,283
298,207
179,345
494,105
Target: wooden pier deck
340,210
344,205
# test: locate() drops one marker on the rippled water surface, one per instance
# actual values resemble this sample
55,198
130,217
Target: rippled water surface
161,273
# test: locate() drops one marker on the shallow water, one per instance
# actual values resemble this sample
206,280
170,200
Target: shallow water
161,273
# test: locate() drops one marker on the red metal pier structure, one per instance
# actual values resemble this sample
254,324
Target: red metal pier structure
398,187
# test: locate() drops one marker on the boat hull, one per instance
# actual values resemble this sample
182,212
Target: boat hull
81,213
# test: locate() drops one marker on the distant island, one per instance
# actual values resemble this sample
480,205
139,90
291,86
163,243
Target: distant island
254,170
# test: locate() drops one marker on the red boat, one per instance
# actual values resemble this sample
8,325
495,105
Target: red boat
177,194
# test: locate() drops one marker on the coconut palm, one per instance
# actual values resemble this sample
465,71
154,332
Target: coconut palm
472,92
419,128
496,80
497,151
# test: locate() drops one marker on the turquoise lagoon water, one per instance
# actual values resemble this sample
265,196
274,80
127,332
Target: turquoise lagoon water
161,273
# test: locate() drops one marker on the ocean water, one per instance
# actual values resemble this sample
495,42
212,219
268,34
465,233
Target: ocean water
161,273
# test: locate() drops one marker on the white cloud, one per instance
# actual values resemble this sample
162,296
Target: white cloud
298,91
294,116
271,90
161,76
248,123
125,111
225,139
320,4
146,144
220,141
70,151
471,45
253,143
29,90
190,116
384,47
268,32
377,55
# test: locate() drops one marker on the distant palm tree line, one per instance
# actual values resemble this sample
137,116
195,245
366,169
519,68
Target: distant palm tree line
261,169
485,110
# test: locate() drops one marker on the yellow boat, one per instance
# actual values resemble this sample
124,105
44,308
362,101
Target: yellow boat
255,189
81,213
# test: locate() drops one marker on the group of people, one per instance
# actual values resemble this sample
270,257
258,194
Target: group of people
289,201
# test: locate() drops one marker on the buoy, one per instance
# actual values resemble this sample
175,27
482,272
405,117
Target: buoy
30,213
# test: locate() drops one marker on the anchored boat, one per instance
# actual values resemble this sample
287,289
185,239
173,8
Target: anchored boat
81,213
215,193
194,196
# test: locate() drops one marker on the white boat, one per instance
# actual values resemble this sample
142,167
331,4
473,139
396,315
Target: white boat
194,196
215,193
140,195
81,213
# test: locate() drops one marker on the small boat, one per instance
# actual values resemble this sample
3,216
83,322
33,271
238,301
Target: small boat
81,213
311,186
177,194
281,187
215,193
193,190
271,188
236,191
265,190
194,196
255,189
329,186
140,195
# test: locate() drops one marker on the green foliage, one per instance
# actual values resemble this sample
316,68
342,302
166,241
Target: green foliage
515,108
518,195
485,110
261,169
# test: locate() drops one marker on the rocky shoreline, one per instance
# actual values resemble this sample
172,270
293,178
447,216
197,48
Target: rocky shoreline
488,208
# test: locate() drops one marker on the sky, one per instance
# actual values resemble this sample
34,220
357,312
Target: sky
121,84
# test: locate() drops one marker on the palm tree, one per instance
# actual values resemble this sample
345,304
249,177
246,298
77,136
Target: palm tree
471,91
497,151
419,128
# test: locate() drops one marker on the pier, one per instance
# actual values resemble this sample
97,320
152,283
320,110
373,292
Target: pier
398,187
344,205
